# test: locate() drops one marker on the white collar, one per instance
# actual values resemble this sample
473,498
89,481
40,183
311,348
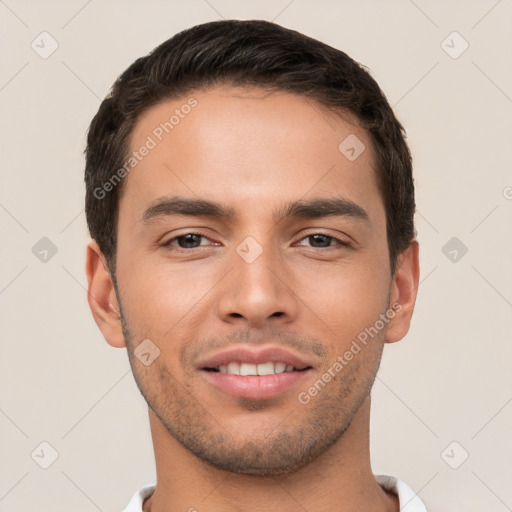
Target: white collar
408,499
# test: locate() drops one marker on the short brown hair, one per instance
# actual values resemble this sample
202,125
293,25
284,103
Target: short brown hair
246,53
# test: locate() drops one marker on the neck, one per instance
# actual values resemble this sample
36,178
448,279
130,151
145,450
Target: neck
339,480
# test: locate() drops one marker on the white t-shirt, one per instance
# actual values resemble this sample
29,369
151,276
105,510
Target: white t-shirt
408,499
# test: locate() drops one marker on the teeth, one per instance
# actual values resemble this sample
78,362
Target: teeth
234,368
268,368
279,367
248,369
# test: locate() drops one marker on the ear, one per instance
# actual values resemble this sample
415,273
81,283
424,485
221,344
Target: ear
404,289
101,296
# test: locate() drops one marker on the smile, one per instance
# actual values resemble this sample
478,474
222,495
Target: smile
246,369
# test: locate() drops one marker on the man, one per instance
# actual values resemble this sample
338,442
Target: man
250,200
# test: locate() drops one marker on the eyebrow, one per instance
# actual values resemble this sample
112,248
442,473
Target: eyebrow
306,209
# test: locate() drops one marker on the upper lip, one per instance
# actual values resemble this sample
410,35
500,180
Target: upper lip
254,356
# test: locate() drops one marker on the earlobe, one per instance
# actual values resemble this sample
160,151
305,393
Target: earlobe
101,296
404,289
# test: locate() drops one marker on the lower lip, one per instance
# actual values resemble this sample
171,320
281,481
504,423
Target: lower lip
255,387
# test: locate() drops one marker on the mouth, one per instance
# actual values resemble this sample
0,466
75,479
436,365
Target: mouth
248,369
254,374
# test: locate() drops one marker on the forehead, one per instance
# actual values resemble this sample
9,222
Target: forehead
248,147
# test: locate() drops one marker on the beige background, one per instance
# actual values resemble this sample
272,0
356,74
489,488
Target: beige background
449,380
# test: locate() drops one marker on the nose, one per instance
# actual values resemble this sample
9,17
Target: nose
258,294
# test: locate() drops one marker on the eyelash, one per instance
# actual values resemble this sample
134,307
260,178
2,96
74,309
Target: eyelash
341,243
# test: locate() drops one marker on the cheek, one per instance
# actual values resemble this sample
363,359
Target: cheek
345,298
160,299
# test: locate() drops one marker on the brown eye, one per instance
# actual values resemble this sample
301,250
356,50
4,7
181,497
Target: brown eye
320,240
323,241
186,241
189,241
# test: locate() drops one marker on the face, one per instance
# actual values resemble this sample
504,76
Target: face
249,243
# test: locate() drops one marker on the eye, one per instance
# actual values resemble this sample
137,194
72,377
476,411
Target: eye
186,241
323,241
192,240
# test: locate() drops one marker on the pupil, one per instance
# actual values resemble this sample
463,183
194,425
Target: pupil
188,241
318,238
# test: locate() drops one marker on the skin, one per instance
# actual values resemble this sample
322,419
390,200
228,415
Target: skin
254,151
